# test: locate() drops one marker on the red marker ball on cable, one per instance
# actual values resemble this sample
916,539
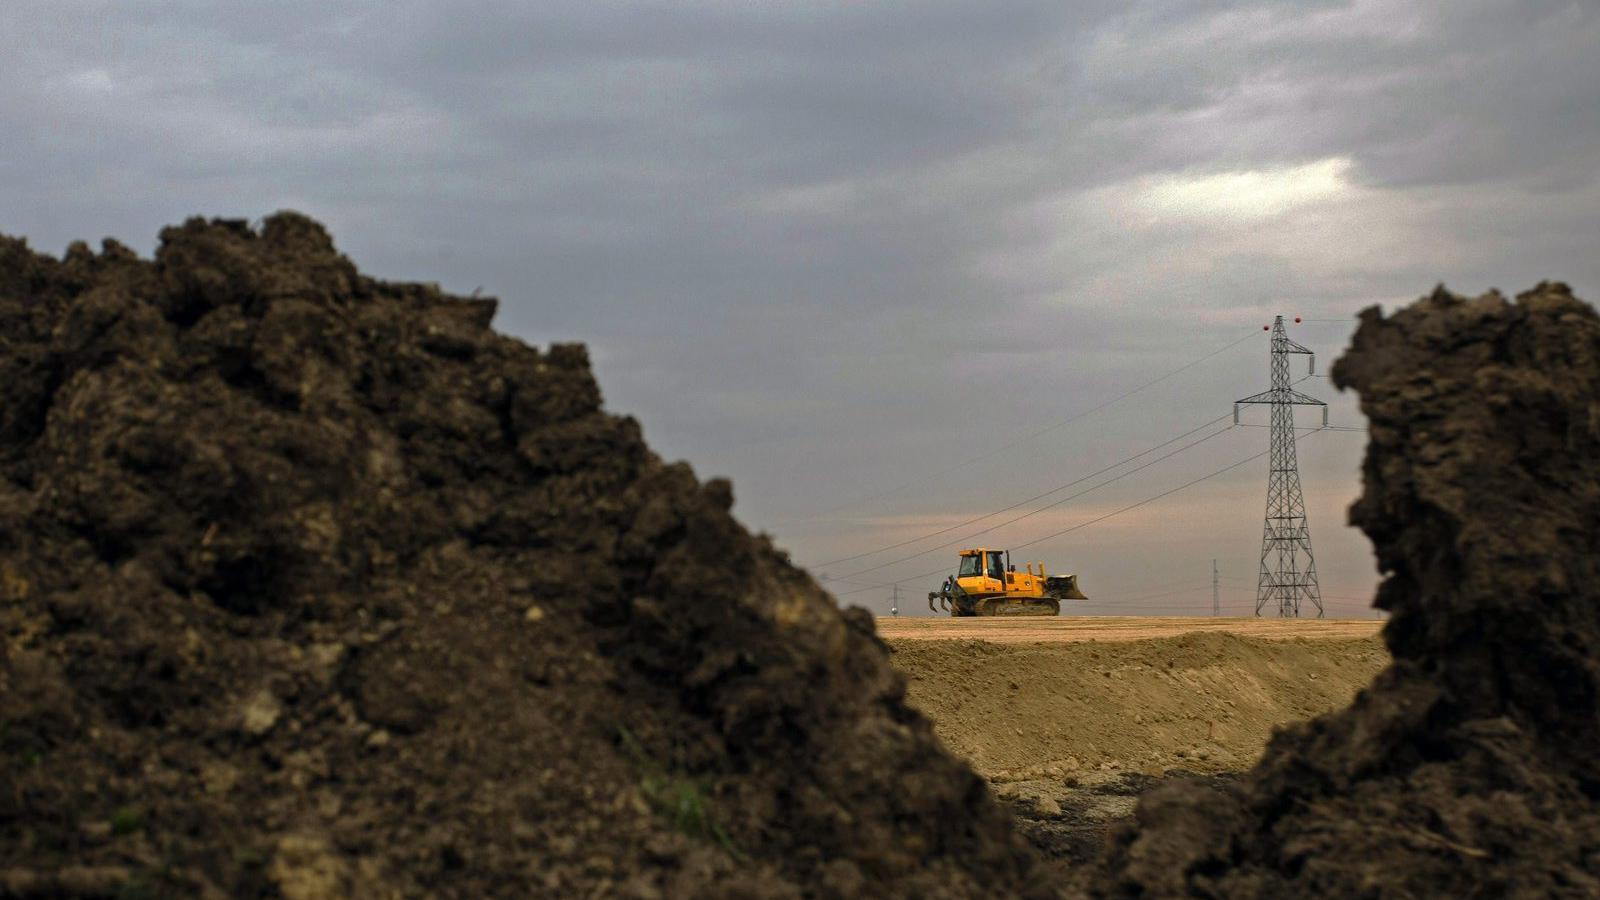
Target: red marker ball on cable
1297,320
1266,328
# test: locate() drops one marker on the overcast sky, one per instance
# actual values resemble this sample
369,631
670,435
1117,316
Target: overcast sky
836,250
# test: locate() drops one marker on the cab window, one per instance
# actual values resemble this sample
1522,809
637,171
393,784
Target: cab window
997,567
970,566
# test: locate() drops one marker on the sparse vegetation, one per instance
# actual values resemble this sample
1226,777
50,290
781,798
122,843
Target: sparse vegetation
675,796
126,820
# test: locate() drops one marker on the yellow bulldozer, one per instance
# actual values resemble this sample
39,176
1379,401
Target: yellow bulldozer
987,584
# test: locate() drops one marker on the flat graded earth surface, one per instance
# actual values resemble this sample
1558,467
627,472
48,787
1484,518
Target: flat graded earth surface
1021,697
1067,629
1071,719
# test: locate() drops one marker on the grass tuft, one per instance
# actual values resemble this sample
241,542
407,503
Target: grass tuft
126,820
676,797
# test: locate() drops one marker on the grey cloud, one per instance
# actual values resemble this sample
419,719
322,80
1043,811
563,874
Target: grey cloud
1421,93
826,248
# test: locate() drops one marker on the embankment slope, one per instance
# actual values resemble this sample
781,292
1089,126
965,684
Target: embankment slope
1205,702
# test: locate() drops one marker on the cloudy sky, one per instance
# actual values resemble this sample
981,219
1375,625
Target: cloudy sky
882,264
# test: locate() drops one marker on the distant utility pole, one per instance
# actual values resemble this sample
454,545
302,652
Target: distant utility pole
894,602
1216,602
1286,533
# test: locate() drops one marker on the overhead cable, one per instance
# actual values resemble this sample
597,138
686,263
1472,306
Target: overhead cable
1057,489
1032,435
1131,506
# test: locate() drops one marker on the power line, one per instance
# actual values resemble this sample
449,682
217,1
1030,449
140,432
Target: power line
1054,490
1170,585
1141,502
1245,590
1135,601
989,515
1156,590
1028,437
1052,505
1321,428
1131,506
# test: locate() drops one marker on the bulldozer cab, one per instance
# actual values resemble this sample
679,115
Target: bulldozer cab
983,570
988,563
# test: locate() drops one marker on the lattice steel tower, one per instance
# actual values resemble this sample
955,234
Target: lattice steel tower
1285,535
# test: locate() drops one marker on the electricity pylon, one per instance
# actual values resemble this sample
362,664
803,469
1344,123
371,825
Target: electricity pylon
1286,533
1216,596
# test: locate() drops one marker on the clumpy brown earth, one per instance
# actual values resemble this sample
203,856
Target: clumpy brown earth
1068,817
1469,768
1203,702
313,585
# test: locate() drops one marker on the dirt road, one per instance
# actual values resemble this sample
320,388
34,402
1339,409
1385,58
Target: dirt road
1068,629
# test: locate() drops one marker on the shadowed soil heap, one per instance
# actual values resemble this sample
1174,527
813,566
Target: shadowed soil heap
1469,767
313,585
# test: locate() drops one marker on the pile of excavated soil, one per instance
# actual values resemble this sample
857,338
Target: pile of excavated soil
1068,818
1200,702
1469,768
313,585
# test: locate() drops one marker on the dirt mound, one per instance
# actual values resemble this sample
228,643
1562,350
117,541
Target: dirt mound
1468,768
315,586
1199,702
